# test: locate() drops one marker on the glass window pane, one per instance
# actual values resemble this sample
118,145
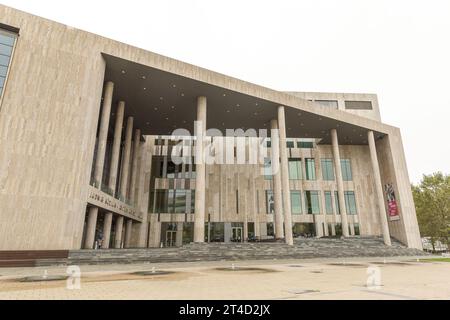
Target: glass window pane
180,201
295,169
350,203
310,170
290,144
7,39
270,202
2,81
296,202
328,202
346,170
336,200
171,201
161,205
328,170
4,60
5,50
327,103
268,169
312,202
3,71
305,145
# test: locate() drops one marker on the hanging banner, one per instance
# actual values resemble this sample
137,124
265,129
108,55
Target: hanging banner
393,210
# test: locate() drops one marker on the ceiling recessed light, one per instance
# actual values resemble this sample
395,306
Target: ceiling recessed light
156,109
144,77
228,111
256,104
174,85
173,107
167,118
238,105
161,98
182,94
224,94
145,89
123,72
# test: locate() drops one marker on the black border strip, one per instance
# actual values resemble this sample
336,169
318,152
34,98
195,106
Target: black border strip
9,28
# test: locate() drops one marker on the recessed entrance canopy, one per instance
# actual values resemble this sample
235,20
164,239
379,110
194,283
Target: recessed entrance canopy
161,102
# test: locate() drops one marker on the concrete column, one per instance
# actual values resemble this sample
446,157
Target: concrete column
143,181
90,228
126,160
200,183
134,166
103,133
340,182
255,211
179,238
285,177
128,231
107,230
379,189
276,176
119,229
114,169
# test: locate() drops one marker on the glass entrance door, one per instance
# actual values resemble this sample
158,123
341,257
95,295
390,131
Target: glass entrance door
171,238
237,234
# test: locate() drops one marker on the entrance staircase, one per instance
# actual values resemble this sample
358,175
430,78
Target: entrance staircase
302,249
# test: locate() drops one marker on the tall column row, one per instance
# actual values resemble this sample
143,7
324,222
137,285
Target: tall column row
128,172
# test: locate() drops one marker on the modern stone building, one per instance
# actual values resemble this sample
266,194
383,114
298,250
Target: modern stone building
87,151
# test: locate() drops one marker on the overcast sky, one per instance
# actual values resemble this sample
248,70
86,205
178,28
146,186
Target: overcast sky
397,49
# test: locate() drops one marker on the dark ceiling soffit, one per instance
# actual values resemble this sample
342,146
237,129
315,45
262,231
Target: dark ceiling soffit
324,141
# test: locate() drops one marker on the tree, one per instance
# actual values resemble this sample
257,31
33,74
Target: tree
432,199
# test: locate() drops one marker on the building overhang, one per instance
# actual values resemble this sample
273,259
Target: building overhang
161,102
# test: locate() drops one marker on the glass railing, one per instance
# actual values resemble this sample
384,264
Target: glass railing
106,189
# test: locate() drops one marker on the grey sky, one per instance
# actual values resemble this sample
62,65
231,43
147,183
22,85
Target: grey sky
397,49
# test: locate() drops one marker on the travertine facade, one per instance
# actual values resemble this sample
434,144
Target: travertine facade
70,179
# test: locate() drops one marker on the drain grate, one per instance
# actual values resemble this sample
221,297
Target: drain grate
354,265
152,273
296,266
302,291
244,269
393,263
43,278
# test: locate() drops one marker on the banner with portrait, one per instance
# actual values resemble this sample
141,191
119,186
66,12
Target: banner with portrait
393,210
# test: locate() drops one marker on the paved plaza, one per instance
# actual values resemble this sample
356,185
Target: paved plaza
358,278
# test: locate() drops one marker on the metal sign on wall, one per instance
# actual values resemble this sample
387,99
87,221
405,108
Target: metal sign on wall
393,210
105,201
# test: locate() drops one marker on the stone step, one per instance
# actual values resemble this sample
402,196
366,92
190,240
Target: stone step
302,249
